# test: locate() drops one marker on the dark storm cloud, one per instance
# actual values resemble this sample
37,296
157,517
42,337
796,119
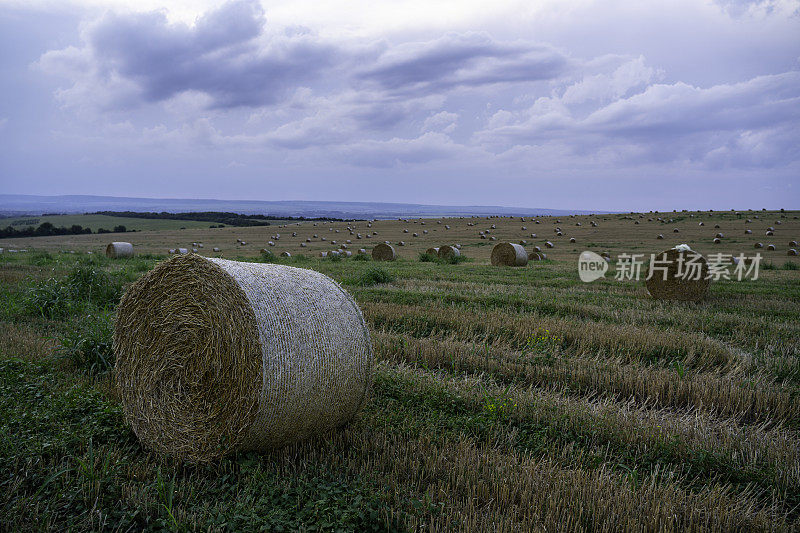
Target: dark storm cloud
456,60
225,55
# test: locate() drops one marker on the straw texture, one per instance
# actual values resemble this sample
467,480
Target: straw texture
674,287
509,254
384,252
447,251
118,250
215,356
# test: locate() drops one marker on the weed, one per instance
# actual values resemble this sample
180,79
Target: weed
88,345
374,275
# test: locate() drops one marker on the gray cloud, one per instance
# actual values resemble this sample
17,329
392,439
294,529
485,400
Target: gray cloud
463,60
227,55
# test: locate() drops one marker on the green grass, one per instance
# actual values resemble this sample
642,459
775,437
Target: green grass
504,397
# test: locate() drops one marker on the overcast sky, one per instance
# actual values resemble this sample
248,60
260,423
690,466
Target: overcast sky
613,104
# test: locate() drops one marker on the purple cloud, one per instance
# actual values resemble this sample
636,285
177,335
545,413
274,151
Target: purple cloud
226,55
463,60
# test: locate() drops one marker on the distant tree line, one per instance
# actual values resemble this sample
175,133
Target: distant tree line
218,217
47,229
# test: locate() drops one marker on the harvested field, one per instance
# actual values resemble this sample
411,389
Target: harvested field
504,399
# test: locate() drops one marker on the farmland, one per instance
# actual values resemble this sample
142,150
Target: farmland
504,399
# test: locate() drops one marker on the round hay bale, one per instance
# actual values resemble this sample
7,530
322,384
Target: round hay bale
362,251
181,251
771,247
458,246
323,254
572,239
194,250
286,254
263,356
537,248
119,250
717,240
534,256
792,243
215,249
384,252
770,233
660,236
432,251
303,245
748,231
492,238
447,251
720,236
758,245
509,254
346,253
549,244
669,285
791,251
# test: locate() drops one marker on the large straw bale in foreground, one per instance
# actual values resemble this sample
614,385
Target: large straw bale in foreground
384,252
215,356
118,250
509,254
669,285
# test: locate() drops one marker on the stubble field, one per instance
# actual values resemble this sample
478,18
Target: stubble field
506,399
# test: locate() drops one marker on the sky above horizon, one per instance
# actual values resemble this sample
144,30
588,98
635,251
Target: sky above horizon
579,104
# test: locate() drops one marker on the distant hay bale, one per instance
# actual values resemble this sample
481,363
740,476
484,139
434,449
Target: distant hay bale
384,252
771,247
458,246
303,245
748,231
717,240
793,243
346,253
286,254
758,245
572,239
549,244
492,238
181,251
534,256
509,254
667,284
362,251
215,249
432,251
263,356
659,236
791,251
194,250
720,236
119,250
537,249
447,251
323,254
